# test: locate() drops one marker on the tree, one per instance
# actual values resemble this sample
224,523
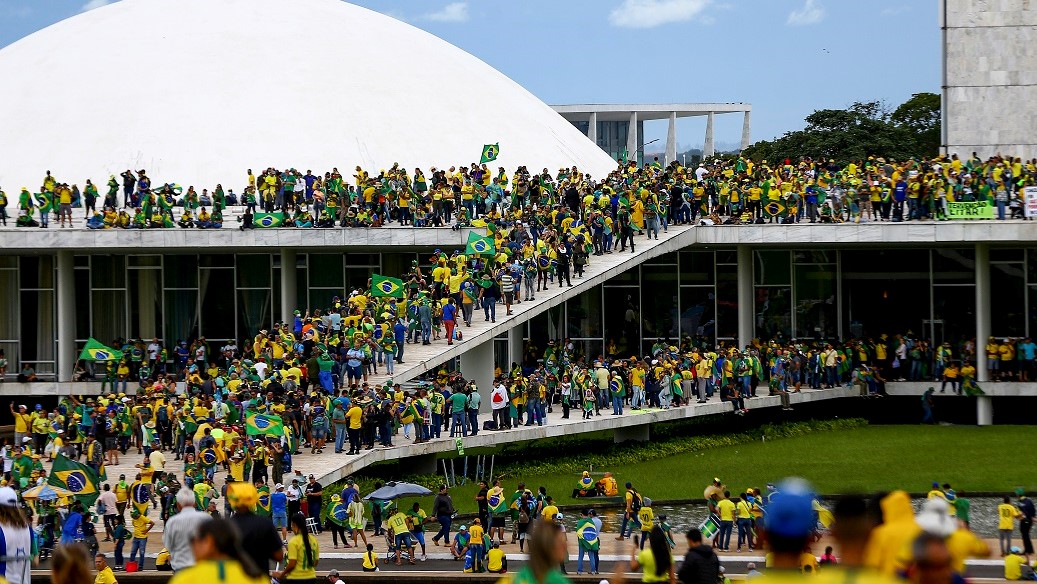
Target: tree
921,115
861,130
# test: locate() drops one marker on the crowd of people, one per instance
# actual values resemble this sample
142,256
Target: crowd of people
728,190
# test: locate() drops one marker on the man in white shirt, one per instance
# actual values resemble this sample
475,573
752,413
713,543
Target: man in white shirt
110,510
153,349
181,528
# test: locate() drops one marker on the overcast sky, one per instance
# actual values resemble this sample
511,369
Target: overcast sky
785,57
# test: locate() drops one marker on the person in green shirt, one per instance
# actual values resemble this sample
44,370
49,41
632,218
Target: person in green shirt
458,401
962,506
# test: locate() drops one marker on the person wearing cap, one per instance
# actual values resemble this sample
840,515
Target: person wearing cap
1016,566
180,529
259,539
335,578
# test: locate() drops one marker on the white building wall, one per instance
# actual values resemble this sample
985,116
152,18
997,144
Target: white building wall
990,68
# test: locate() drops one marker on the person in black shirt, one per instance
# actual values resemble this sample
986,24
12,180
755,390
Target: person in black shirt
314,492
484,507
259,538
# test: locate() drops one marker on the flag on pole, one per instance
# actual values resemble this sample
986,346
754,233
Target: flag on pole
95,351
76,477
384,286
489,153
480,245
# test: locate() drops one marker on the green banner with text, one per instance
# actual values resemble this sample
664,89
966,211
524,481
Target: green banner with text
970,210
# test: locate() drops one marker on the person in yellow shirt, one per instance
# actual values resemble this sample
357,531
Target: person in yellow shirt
141,526
1014,563
496,560
303,554
22,420
726,511
1006,516
400,526
744,515
104,571
646,517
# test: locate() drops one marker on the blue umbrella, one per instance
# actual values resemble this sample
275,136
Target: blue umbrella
394,490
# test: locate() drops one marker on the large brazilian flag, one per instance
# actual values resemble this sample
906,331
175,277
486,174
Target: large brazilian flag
76,477
384,286
95,351
264,425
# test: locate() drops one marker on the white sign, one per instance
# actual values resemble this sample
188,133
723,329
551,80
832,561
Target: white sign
1030,202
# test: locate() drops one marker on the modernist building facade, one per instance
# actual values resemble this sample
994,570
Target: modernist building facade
944,282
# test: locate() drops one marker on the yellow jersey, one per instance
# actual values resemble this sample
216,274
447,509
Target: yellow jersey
216,571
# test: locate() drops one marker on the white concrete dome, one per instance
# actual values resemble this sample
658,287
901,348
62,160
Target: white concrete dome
198,91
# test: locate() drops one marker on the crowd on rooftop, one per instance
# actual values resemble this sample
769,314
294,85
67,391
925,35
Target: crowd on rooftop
721,190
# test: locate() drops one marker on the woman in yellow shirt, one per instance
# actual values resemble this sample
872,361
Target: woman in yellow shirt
656,562
219,558
303,554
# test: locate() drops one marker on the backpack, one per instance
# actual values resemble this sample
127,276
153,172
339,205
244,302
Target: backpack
635,501
523,516
88,529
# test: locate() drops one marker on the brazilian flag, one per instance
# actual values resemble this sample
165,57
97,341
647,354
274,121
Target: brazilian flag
489,153
45,202
587,536
264,425
263,508
338,514
76,477
95,351
140,495
496,502
208,457
384,286
775,209
616,386
165,200
268,220
480,246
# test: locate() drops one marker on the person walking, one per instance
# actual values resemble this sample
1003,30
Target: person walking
443,510
180,529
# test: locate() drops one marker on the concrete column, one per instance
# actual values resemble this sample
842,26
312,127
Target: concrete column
515,343
477,366
982,309
638,433
745,296
592,127
66,290
632,138
984,410
746,130
671,139
709,149
289,289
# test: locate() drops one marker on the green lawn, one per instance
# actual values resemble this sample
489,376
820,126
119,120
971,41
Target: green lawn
865,460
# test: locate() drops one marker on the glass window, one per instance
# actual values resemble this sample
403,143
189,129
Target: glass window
954,313
698,313
1032,330
37,272
773,312
660,318
589,348
253,312
1007,303
320,298
181,271
180,316
772,268
1000,254
628,277
814,256
887,304
82,301
108,271
584,314
363,259
145,304
954,266
358,277
325,270
545,326
38,329
727,301
254,271
816,301
217,260
108,312
665,259
145,261
623,324
9,309
217,308
697,267
727,256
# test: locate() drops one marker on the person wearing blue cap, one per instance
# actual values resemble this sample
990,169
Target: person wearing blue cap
787,528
